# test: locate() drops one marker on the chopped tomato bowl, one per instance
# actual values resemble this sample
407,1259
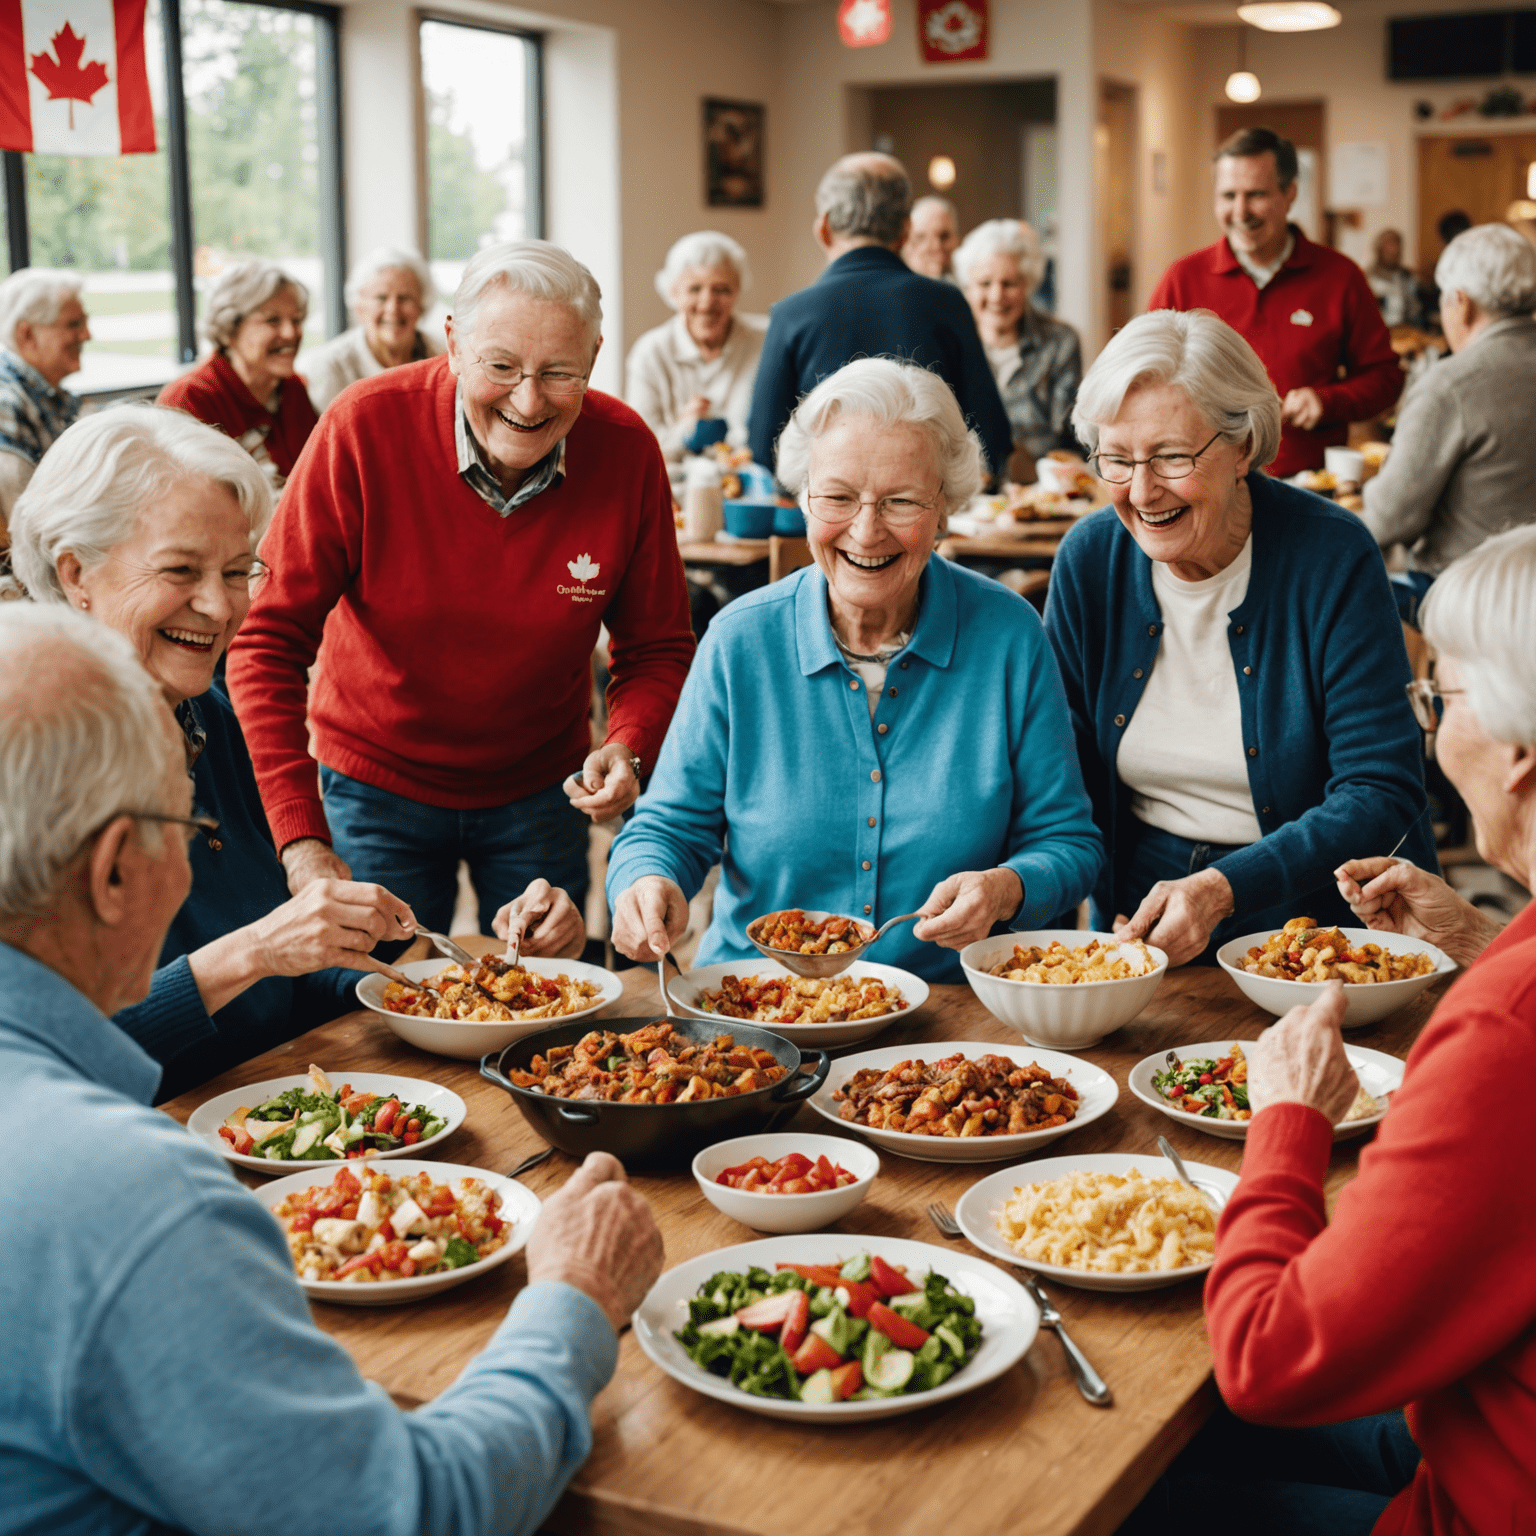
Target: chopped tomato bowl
792,1174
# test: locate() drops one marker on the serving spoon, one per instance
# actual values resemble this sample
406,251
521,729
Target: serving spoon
825,965
1212,1196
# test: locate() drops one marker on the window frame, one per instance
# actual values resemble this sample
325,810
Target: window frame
329,171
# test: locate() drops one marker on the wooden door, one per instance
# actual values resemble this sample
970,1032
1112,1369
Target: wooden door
1480,175
1115,167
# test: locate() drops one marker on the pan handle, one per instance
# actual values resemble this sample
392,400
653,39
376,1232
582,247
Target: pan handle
490,1070
793,1090
577,1116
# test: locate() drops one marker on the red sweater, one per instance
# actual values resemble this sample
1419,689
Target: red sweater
215,393
1422,1289
456,662
1315,325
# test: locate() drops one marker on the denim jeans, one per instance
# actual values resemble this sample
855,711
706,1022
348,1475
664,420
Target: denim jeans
1336,1478
414,850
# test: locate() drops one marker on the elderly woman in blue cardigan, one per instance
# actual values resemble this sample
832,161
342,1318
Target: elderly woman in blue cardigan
881,733
148,520
1231,653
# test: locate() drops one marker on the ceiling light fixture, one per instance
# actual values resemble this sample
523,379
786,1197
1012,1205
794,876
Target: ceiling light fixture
1290,15
941,172
1242,84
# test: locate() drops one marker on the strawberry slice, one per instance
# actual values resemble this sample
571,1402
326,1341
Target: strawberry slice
771,1312
888,1281
815,1354
797,1323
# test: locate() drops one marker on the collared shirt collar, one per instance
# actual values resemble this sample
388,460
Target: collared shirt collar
1263,273
933,639
477,475
190,719
684,348
1298,252
53,1016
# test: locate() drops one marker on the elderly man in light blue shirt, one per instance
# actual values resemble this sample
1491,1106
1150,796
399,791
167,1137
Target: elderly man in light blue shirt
159,1370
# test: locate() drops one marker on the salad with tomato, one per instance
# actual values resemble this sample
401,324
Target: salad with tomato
322,1124
824,1333
1212,1089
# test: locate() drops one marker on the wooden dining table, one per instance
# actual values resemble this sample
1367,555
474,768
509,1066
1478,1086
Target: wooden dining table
1024,1454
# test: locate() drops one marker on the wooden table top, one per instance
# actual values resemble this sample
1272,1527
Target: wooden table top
1024,1453
708,552
1040,541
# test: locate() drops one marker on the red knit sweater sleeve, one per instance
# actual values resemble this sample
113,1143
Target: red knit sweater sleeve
1373,376
1428,1268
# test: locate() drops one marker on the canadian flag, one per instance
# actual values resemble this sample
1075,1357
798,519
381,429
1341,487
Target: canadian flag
73,79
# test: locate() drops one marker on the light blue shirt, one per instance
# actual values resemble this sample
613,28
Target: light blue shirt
773,767
159,1370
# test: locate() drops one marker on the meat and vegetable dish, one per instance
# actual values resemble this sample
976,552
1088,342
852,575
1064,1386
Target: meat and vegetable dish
653,1065
991,1096
801,999
515,994
794,931
1302,951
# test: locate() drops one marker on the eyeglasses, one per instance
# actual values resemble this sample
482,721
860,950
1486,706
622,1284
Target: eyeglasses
1428,701
1166,466
838,509
191,825
554,383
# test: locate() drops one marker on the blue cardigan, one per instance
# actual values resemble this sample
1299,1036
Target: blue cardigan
774,767
1335,759
869,303
232,886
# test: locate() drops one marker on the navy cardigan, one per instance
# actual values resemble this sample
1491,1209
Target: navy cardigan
1335,758
233,885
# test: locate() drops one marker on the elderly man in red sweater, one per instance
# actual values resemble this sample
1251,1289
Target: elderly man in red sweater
452,540
1305,309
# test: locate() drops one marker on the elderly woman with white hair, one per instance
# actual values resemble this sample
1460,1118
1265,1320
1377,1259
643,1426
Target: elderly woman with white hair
253,317
691,379
1036,359
1463,460
883,732
1231,652
43,326
388,292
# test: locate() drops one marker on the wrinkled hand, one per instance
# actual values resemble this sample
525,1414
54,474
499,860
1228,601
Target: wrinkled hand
1301,1060
547,919
649,918
964,907
1179,916
1302,408
311,859
597,1234
606,787
329,923
1396,897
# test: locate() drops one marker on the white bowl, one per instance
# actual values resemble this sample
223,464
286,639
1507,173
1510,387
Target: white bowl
205,1120
1096,1095
470,1041
519,1205
1061,1018
786,1213
1009,1319
685,991
978,1209
1379,1075
1365,1003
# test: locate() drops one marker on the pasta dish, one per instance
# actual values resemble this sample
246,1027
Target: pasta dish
801,999
1302,951
517,994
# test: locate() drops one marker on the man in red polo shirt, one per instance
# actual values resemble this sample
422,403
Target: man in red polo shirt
1304,308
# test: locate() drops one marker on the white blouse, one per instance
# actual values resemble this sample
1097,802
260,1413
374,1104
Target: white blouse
665,372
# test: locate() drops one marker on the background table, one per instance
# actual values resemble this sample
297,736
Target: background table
1024,1454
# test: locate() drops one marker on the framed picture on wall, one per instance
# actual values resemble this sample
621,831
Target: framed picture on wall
733,153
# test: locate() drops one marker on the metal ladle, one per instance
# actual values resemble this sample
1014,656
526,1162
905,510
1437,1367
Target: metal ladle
825,965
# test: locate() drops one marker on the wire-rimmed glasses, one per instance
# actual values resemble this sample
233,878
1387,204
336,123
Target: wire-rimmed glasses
556,383
839,508
1427,698
1116,470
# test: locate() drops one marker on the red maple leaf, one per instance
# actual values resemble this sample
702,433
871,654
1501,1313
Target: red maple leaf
65,77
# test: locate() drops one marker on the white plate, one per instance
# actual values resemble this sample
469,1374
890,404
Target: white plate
1009,1319
1364,1003
519,1205
470,1041
979,1206
1379,1075
205,1120
1096,1095
685,990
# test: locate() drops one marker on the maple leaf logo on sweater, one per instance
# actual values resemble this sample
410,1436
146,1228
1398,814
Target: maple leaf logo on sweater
583,567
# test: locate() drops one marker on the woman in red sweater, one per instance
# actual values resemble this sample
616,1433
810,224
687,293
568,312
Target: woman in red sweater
1422,1289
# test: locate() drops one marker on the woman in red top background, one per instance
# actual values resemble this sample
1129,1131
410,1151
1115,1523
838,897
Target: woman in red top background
254,317
1422,1289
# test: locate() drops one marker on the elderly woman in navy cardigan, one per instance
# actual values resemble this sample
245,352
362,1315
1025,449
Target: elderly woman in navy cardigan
147,520
1231,653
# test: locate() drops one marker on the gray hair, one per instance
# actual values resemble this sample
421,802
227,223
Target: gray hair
943,204
1003,237
390,258
110,470
533,267
85,739
887,393
35,295
705,248
1481,612
1200,354
239,290
865,196
1494,266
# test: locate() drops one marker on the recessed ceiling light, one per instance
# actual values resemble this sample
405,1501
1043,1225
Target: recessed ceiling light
941,172
1290,15
1243,86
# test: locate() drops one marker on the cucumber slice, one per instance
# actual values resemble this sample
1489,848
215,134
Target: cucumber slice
857,1268
835,1329
951,1339
817,1388
720,1327
892,1371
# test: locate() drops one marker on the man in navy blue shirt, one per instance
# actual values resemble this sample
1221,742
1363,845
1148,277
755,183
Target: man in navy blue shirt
868,303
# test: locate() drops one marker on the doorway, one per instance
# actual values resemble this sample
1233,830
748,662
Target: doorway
1482,175
1114,145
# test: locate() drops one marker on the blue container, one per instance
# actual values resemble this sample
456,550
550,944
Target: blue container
749,519
789,522
757,483
707,431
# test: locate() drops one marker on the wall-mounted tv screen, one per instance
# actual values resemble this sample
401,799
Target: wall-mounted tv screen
1470,45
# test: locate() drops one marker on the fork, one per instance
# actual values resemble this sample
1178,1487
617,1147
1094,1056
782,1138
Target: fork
1089,1382
532,1162
464,959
